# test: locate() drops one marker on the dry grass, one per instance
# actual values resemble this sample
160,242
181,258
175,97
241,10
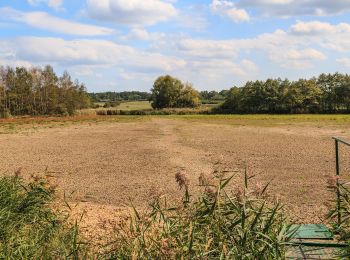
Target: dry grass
20,125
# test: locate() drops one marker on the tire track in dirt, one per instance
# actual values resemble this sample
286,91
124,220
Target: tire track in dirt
181,156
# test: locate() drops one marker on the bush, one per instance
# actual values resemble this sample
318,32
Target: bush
111,104
29,228
5,114
62,110
218,225
95,106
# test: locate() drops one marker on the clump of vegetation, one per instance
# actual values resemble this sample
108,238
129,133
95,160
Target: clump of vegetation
169,92
213,97
342,206
111,104
219,224
29,228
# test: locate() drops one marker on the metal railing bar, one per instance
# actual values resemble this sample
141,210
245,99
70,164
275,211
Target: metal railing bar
341,140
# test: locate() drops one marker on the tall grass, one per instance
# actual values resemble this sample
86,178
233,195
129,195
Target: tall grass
220,224
338,186
29,228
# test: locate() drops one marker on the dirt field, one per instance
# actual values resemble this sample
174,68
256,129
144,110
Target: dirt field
104,166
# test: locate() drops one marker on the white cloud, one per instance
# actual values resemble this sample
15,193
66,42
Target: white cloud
303,46
288,8
38,50
298,59
192,19
55,4
249,65
130,12
228,8
305,54
44,21
142,35
344,62
206,49
316,27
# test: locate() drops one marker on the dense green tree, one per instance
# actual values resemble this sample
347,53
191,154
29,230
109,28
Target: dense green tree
329,93
213,95
189,97
39,91
169,92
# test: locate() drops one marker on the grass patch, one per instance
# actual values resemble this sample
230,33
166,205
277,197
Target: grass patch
269,120
29,228
33,124
135,105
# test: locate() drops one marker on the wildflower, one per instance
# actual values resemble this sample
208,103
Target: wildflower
18,172
182,180
210,192
239,194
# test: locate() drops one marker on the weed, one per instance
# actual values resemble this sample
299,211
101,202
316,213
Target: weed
217,225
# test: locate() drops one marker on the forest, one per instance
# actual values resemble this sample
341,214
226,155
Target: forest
38,91
110,96
327,93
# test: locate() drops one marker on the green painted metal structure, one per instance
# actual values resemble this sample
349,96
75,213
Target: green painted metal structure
311,231
315,241
312,241
338,140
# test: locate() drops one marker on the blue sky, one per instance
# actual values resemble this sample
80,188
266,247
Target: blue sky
122,45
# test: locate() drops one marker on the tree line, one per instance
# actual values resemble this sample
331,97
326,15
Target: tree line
327,93
213,96
39,91
120,96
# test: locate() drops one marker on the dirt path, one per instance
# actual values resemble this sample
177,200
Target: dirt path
193,161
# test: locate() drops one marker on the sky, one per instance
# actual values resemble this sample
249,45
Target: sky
120,45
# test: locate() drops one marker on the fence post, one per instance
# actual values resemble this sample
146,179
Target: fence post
337,172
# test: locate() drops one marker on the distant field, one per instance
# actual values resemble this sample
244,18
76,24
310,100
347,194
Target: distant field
270,120
138,105
135,105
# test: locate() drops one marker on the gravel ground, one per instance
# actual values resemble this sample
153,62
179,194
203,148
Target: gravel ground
104,167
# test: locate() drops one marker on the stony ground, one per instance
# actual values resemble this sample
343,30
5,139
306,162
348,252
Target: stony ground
101,168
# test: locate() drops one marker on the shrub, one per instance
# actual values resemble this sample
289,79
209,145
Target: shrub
219,224
62,110
29,228
5,113
111,104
